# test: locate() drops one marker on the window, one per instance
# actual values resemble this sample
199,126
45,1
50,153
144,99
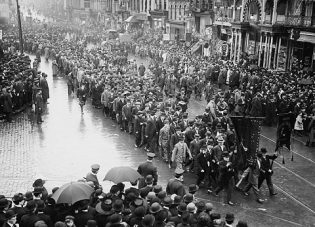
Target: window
171,12
180,11
86,3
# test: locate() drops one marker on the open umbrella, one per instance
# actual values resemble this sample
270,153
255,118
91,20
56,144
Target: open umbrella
72,192
122,174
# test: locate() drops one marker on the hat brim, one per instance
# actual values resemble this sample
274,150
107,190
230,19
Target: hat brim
99,209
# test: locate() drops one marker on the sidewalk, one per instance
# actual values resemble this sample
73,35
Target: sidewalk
18,156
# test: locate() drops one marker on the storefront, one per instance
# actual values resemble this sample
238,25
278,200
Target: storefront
176,29
144,20
159,18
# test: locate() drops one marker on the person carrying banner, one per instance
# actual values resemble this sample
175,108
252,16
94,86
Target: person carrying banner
266,169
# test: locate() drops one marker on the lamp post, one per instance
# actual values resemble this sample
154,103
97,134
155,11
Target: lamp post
20,26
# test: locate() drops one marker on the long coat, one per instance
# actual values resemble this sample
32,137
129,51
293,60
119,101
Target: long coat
45,89
39,104
7,103
145,169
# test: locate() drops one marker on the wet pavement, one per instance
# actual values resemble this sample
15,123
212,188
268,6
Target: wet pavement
63,148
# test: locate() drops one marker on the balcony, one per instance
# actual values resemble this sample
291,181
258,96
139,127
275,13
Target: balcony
298,21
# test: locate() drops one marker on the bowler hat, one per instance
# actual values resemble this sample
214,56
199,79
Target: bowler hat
149,179
148,220
18,197
192,188
28,196
115,219
188,198
9,214
40,205
242,224
150,196
229,217
38,190
91,223
30,206
209,206
185,217
177,200
155,207
83,204
191,207
157,189
139,212
167,201
39,183
263,150
161,216
161,195
225,154
201,206
182,207
104,207
118,205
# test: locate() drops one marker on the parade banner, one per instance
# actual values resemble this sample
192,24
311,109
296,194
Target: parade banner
247,130
284,130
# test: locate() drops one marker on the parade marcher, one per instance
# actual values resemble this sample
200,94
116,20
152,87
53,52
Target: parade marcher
147,168
225,176
39,105
253,170
81,94
203,162
7,104
175,186
180,152
45,88
92,176
164,141
150,132
266,169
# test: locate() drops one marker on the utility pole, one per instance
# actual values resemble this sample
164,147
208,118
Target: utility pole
20,26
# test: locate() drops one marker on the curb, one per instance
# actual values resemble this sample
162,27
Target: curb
2,116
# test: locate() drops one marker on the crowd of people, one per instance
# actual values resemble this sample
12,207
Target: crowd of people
151,101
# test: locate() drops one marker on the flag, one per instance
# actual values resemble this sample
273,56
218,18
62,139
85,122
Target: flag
247,130
284,130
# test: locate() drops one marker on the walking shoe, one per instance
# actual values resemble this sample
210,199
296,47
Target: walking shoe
260,200
136,146
272,194
169,166
209,191
246,193
230,203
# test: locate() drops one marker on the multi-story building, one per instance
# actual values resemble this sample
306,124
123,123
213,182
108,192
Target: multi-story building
277,33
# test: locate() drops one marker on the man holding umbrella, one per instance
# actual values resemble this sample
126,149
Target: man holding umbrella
147,168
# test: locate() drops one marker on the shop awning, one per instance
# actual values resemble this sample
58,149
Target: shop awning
142,16
307,37
132,19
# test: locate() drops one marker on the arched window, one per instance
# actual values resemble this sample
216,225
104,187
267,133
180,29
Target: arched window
180,10
175,14
282,4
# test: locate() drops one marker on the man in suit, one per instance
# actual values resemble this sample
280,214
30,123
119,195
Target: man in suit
175,186
203,163
11,219
105,101
194,149
150,132
42,216
164,141
84,213
149,186
137,126
189,133
7,104
127,117
29,219
266,169
92,176
147,168
39,105
225,182
17,208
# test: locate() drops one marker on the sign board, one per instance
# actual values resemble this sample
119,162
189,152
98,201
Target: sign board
166,36
125,38
0,34
4,10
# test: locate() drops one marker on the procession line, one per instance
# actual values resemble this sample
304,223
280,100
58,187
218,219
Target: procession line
291,150
260,213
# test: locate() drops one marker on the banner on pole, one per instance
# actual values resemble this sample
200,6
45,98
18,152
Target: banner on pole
247,131
284,130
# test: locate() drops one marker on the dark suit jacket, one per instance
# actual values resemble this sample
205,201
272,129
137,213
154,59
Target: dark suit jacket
2,218
145,169
50,210
202,162
44,217
175,187
150,129
81,218
29,220
145,190
194,147
19,213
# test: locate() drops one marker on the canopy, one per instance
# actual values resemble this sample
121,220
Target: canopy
132,19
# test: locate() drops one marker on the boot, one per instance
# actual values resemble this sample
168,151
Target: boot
307,144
